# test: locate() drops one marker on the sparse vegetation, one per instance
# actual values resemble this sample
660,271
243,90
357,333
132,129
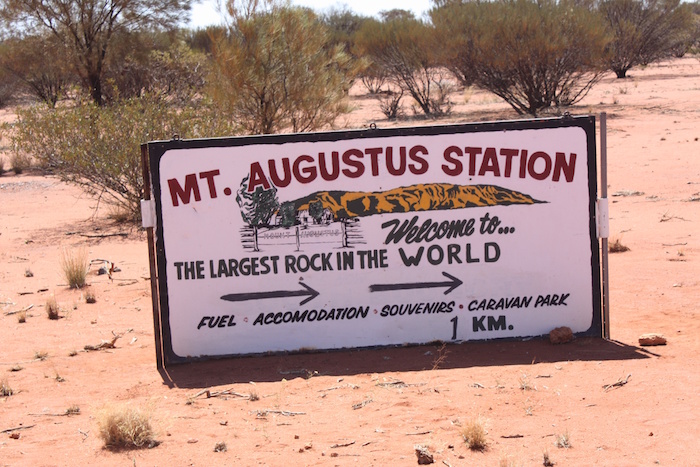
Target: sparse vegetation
22,317
125,427
546,460
90,297
615,246
73,410
474,434
74,265
5,389
563,441
220,447
441,356
524,383
52,308
41,355
19,162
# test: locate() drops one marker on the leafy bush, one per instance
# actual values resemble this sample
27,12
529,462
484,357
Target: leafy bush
98,148
276,71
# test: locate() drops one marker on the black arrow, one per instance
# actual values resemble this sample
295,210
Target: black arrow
241,297
453,283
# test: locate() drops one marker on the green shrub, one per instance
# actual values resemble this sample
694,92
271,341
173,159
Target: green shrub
98,148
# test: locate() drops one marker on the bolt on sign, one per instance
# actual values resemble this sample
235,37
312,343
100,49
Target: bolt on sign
374,237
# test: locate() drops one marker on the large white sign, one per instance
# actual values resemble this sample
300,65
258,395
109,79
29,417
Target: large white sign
366,238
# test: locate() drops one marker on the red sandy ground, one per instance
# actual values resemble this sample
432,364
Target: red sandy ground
372,407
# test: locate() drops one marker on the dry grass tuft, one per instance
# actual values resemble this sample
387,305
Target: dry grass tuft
22,317
616,246
546,460
41,355
5,389
52,308
220,447
125,427
90,297
563,441
19,163
474,434
74,265
73,410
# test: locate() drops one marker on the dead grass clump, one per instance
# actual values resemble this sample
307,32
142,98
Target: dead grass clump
5,389
546,460
41,355
52,308
19,163
616,246
563,441
125,427
220,447
74,265
22,317
474,434
90,297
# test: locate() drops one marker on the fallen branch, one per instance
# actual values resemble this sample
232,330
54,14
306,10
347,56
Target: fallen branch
399,384
359,405
226,392
26,308
17,428
342,445
286,413
351,386
419,433
620,382
118,234
512,436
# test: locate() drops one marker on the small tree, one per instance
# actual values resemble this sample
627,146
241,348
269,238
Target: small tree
532,54
47,78
644,31
404,49
88,28
276,73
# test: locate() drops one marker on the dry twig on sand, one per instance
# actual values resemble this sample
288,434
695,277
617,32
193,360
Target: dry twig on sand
26,308
17,428
264,413
620,382
104,344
